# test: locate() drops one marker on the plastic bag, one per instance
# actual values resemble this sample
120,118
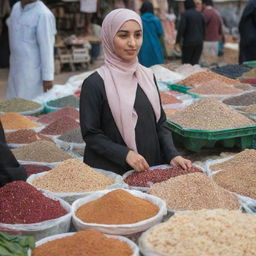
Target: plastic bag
42,229
71,197
124,229
132,245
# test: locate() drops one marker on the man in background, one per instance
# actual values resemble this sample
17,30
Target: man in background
32,32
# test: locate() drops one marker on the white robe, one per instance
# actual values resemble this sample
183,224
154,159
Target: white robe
32,32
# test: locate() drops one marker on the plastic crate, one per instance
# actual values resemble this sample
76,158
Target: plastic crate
250,64
196,140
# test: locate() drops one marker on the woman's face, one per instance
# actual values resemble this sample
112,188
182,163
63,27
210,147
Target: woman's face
128,40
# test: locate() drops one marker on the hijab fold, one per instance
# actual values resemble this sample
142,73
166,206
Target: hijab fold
121,78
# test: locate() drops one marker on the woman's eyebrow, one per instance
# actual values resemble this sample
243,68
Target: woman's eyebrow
127,31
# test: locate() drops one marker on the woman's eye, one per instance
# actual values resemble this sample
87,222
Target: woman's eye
122,35
138,35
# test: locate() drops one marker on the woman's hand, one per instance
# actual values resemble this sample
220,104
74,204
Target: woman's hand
136,161
182,162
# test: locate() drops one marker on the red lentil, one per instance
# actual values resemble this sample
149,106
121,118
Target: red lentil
21,203
150,177
34,169
167,98
60,126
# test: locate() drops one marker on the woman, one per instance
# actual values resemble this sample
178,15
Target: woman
151,52
247,30
122,121
191,33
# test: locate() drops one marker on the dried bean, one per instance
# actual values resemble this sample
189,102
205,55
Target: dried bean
232,71
34,169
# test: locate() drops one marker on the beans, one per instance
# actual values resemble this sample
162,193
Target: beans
15,121
67,101
21,203
73,176
40,151
150,177
73,136
194,191
18,105
232,71
34,169
205,232
210,114
245,99
53,116
60,126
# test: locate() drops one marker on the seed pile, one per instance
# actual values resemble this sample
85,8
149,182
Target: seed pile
22,203
34,169
169,111
74,136
73,176
53,116
194,191
232,71
205,232
18,105
67,101
15,121
250,74
60,126
40,151
244,86
187,69
150,177
245,99
167,98
214,87
210,114
250,109
24,136
117,207
205,77
84,243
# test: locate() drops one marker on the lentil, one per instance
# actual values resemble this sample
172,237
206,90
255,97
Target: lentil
194,191
210,114
205,77
214,87
250,109
245,99
18,105
204,232
67,101
117,207
60,126
53,116
74,136
150,177
169,111
167,98
244,86
84,243
21,203
34,169
15,121
232,71
24,136
73,175
40,151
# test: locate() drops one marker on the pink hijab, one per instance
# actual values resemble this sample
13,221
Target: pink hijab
121,78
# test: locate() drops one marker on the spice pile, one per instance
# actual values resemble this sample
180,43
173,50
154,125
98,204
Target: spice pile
164,74
34,169
15,121
60,126
40,151
214,87
84,243
238,174
24,136
53,116
187,69
67,101
167,98
232,71
194,191
150,177
73,176
18,105
249,109
205,77
205,232
169,112
74,136
24,204
117,207
210,114
245,99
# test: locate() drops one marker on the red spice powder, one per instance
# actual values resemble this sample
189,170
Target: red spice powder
21,203
167,98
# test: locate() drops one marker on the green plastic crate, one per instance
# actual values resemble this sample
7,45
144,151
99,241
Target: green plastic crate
196,140
179,87
250,64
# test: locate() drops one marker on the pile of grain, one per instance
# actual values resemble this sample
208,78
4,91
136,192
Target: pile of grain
73,136
210,114
232,71
245,99
67,101
206,232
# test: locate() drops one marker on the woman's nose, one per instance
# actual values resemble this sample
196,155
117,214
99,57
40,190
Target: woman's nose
132,42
